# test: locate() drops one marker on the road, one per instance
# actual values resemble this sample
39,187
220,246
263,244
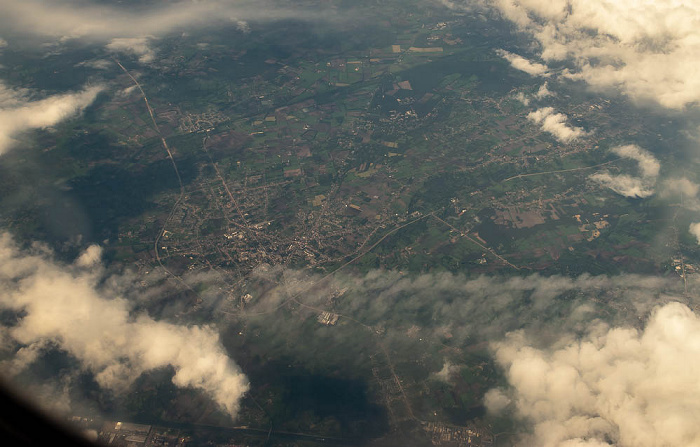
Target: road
559,171
177,173
471,239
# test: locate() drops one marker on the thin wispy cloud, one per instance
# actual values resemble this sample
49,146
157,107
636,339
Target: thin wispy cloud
525,65
19,112
135,29
681,185
137,46
523,98
66,19
627,185
483,307
682,191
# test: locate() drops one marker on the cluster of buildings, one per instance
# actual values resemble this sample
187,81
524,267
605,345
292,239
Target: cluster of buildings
126,434
682,268
446,435
328,318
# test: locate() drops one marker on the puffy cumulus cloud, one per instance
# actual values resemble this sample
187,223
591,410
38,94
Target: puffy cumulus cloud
445,374
523,98
646,49
555,123
104,22
522,64
617,385
90,257
19,113
62,306
543,91
138,46
627,185
695,230
496,400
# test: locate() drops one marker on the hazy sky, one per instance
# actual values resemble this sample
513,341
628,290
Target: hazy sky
66,19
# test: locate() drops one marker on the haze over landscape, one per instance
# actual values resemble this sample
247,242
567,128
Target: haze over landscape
411,222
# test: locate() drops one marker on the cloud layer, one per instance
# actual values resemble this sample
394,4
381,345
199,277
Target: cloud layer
19,113
627,185
62,306
134,28
481,308
573,390
621,385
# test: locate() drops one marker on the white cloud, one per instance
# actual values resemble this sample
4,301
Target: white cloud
445,374
63,306
695,230
628,387
522,64
19,113
555,123
138,46
543,91
648,164
523,98
496,400
97,64
133,28
242,26
627,185
648,50
90,257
